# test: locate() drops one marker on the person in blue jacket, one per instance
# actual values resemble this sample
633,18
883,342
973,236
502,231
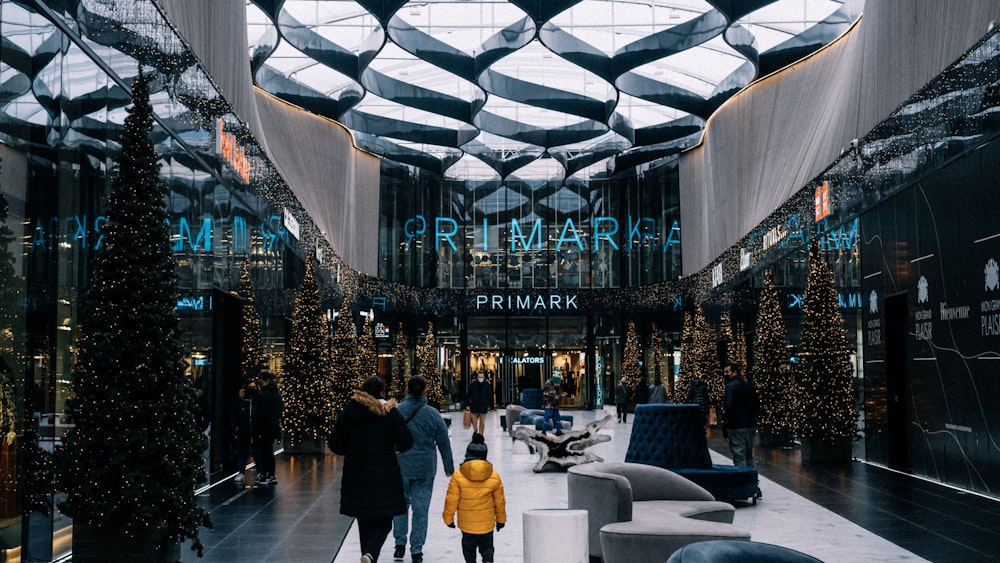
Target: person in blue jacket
418,466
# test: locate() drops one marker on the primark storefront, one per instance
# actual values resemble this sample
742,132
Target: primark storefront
519,274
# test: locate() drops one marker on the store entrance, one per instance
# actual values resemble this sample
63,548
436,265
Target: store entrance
518,353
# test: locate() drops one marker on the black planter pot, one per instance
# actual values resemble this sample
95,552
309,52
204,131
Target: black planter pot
817,450
109,544
312,446
776,440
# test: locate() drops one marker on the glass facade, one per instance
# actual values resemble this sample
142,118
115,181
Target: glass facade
598,234
64,100
610,244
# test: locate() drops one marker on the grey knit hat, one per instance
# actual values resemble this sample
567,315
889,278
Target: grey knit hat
477,448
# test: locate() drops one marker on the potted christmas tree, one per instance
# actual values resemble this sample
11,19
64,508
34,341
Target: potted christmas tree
828,417
130,465
771,372
305,387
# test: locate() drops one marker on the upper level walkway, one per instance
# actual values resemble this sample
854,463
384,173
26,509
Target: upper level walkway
837,512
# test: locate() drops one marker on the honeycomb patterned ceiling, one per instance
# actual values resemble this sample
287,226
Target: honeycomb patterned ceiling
542,90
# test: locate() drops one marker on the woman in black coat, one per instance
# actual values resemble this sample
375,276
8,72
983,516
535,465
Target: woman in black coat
368,434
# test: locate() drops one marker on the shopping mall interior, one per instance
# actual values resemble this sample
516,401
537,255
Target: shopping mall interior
530,186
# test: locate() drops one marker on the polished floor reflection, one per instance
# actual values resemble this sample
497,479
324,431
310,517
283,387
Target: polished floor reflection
838,512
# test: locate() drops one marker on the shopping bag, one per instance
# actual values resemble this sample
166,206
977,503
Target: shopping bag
467,419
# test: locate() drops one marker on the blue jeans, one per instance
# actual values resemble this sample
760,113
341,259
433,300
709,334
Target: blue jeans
741,444
553,415
418,497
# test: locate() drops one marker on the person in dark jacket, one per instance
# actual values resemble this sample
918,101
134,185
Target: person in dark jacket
741,415
657,392
419,465
267,428
621,400
480,401
698,395
369,432
241,422
642,389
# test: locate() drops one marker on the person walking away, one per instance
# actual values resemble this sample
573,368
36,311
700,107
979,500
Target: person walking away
368,433
480,401
740,415
267,428
621,400
552,393
698,395
241,422
418,466
642,389
475,493
657,393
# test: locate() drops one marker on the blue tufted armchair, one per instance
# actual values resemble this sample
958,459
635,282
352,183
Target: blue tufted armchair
673,437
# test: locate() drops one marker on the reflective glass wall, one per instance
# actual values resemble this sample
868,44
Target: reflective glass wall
65,75
601,233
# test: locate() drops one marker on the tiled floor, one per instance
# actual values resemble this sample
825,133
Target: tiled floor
842,512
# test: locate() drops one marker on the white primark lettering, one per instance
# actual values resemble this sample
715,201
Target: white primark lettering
558,302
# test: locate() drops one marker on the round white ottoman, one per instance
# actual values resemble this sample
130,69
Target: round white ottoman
556,534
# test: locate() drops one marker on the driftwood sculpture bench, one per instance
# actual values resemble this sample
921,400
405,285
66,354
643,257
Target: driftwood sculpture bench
566,450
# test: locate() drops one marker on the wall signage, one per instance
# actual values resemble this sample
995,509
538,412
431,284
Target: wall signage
523,360
79,231
231,152
290,223
717,275
821,201
526,237
553,302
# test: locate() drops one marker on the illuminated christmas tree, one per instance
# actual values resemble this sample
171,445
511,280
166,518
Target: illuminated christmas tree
253,349
738,347
136,452
688,363
427,358
656,358
305,385
771,373
10,335
826,381
725,335
400,367
366,360
631,358
706,357
343,347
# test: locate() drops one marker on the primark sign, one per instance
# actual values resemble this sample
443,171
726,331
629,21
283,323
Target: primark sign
513,303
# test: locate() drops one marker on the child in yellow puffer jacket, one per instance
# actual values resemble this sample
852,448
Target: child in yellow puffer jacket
476,493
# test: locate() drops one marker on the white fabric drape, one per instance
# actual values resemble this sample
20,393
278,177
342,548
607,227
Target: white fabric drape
769,141
337,184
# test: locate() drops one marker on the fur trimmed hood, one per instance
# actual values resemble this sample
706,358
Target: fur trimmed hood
378,407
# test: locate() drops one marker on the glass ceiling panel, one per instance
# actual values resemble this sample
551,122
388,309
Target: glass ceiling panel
583,81
471,168
609,26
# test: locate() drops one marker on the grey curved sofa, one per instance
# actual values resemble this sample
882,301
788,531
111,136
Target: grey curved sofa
639,512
